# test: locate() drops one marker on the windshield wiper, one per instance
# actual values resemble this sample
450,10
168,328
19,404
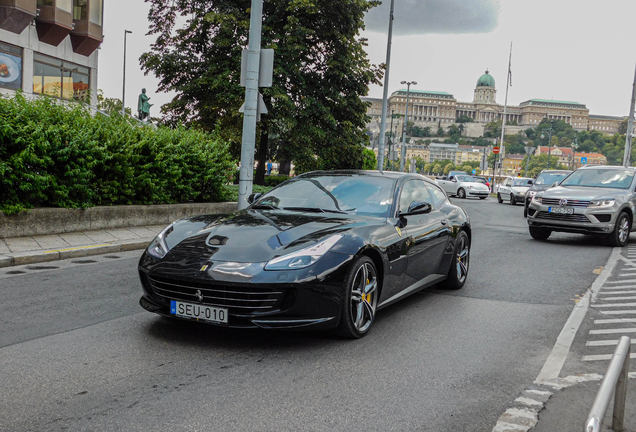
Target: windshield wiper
315,210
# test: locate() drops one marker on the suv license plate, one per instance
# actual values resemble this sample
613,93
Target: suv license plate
198,312
560,210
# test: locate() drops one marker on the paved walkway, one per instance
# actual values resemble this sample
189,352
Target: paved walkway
29,250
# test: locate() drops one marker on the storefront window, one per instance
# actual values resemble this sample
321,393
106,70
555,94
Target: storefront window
56,78
65,5
10,67
96,10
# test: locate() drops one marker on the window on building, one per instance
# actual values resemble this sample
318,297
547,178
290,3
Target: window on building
10,67
59,78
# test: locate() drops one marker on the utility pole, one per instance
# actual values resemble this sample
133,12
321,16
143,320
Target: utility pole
630,128
123,95
502,154
385,93
246,177
406,123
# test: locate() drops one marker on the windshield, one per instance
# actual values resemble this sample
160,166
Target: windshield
353,194
480,180
550,178
522,182
465,178
600,177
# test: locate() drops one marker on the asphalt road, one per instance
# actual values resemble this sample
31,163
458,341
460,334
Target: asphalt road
77,352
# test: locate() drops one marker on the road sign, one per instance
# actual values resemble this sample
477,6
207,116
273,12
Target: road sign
474,172
528,149
583,160
495,150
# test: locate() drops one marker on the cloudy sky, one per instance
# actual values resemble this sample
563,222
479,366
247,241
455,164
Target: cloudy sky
580,51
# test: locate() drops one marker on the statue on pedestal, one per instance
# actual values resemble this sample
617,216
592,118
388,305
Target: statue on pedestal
143,107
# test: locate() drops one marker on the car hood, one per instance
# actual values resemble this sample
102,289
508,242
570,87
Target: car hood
253,235
475,185
520,189
539,188
585,193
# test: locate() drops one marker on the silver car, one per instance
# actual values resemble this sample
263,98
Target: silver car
513,189
592,200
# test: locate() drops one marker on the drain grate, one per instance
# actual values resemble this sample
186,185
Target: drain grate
42,267
83,261
112,256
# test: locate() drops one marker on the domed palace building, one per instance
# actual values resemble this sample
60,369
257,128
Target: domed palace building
436,109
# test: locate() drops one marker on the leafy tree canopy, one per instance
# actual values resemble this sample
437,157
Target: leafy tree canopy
320,71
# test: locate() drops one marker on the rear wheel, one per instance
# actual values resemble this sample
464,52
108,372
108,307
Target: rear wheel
499,200
620,236
461,193
512,200
359,299
459,267
540,233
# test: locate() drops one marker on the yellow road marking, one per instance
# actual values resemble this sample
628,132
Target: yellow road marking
75,248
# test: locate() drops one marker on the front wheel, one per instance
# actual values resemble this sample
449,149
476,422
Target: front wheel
620,236
499,200
459,267
540,233
512,200
359,299
461,193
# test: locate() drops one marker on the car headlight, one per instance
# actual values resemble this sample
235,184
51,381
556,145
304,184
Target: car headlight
304,257
602,203
538,198
532,193
158,248
471,187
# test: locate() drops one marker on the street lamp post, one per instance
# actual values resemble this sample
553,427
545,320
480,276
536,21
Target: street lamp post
406,121
123,94
549,141
575,145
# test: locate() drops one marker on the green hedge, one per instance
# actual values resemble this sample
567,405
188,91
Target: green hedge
63,156
275,180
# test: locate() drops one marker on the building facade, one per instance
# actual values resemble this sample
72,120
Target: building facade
50,47
440,109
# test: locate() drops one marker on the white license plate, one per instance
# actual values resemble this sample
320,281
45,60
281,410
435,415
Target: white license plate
198,312
560,210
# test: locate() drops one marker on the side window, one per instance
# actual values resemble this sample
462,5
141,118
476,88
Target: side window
413,190
438,195
508,182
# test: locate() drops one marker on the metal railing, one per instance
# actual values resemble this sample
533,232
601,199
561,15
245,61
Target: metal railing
615,381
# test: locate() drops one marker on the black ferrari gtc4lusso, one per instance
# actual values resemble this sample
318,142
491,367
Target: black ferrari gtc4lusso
323,250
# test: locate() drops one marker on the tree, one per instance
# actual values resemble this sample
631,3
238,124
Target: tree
493,129
320,71
440,131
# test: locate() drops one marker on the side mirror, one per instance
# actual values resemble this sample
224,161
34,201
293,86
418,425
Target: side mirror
555,184
418,207
253,197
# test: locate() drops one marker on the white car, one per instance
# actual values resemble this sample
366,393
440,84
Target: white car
513,189
464,186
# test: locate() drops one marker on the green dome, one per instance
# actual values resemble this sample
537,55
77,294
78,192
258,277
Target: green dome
486,80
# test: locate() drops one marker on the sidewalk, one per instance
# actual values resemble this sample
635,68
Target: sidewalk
36,249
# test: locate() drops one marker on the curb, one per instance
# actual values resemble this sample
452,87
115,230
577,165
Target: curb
34,257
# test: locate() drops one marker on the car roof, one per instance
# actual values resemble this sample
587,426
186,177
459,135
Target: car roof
555,171
614,167
372,173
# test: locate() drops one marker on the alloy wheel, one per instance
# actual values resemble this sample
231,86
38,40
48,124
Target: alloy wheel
364,297
623,229
462,258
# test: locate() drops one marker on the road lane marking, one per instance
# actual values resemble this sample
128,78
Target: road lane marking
613,331
553,365
615,321
614,305
605,342
598,357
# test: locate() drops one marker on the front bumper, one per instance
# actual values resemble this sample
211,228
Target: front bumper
306,298
477,193
582,220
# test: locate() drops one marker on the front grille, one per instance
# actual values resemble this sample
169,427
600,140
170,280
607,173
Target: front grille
562,217
603,217
241,299
571,202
